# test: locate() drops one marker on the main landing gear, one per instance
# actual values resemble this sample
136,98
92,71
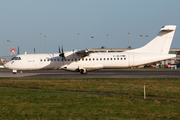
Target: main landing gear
83,71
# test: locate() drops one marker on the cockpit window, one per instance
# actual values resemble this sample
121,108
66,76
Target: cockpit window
16,58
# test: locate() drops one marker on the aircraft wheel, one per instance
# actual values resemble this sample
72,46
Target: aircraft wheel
14,71
83,71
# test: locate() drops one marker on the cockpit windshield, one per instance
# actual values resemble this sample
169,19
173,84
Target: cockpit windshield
16,58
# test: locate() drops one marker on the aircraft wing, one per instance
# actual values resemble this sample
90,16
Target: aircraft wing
84,53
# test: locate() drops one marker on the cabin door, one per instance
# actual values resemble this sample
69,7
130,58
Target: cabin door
131,60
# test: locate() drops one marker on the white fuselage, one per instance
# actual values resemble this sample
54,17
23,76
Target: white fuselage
92,62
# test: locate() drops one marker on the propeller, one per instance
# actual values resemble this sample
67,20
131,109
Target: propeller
61,54
59,50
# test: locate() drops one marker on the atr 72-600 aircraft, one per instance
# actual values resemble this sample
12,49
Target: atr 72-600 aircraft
87,60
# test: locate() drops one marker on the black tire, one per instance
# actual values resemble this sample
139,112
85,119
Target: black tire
83,71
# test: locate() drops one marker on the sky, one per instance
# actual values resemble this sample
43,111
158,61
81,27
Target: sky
22,21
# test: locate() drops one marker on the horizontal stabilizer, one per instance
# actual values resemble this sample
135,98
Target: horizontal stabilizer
168,28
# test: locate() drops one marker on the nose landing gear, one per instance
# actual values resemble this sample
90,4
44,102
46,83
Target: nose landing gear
14,71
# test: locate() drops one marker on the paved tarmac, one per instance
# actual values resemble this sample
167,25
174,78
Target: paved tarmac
104,73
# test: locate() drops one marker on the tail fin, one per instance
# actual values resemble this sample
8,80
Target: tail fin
18,50
161,43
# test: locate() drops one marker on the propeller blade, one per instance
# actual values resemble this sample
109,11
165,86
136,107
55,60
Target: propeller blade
59,50
62,50
62,54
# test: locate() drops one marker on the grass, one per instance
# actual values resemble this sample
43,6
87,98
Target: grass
28,104
55,105
165,87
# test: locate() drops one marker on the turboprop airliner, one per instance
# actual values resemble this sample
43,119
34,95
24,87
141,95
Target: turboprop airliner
87,60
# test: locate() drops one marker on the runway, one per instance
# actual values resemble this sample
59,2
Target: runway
104,73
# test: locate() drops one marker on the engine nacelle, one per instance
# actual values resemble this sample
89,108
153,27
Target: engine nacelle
82,69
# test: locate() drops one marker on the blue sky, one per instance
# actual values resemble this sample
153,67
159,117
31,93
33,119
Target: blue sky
21,21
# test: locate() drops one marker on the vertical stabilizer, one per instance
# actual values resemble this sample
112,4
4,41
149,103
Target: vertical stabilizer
161,43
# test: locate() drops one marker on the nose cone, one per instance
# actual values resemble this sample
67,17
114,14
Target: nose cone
6,65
